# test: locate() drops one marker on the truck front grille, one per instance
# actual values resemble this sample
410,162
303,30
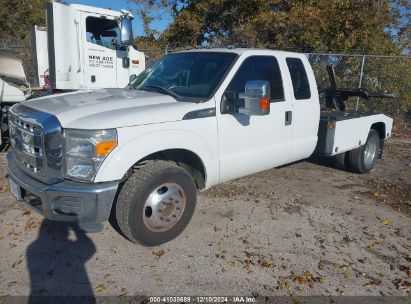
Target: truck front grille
27,142
36,142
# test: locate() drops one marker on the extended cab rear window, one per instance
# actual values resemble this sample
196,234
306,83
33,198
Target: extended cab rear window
301,86
259,68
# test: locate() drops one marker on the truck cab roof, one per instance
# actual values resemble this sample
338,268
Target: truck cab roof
241,51
97,10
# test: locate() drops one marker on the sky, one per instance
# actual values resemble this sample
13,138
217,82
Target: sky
117,5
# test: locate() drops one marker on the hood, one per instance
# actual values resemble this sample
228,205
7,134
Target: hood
111,108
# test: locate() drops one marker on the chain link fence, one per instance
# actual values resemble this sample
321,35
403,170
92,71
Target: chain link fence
379,74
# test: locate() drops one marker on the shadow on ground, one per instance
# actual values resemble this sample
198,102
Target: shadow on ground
56,264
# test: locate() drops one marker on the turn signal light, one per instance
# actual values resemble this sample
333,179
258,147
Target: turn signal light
105,147
264,103
135,61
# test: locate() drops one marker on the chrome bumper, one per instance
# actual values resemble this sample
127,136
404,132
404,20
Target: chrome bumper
84,203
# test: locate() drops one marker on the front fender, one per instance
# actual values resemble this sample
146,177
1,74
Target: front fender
135,144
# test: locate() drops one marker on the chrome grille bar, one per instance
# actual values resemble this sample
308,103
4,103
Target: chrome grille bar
36,141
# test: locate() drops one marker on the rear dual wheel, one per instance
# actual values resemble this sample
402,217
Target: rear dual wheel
362,159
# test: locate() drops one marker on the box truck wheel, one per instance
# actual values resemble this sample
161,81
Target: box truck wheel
156,203
363,159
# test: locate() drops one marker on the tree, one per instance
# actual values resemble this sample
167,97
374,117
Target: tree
18,16
150,10
323,25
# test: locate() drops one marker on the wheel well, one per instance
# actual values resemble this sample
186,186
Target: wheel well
185,159
380,128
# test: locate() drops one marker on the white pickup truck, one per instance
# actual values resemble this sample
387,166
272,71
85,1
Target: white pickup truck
191,121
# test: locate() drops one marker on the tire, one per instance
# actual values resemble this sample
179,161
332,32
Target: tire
340,161
156,203
363,159
4,131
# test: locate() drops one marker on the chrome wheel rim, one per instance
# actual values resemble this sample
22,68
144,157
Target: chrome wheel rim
370,152
164,207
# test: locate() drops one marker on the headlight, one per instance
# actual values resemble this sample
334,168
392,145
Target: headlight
85,150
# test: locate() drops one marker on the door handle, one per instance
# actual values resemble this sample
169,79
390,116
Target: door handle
288,118
78,46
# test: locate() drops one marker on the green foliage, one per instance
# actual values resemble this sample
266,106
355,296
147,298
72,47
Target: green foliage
323,25
18,16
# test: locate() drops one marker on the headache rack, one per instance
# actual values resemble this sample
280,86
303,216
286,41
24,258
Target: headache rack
335,98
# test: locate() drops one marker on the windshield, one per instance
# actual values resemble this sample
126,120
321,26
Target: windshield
186,76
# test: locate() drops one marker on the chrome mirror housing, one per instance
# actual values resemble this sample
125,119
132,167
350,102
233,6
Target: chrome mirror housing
256,98
126,28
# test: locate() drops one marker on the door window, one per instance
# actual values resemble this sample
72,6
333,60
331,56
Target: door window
258,68
299,78
104,32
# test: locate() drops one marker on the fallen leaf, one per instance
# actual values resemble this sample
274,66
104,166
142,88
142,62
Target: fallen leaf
401,283
123,293
247,268
231,263
284,284
100,288
385,222
114,249
150,266
18,261
158,254
302,280
347,238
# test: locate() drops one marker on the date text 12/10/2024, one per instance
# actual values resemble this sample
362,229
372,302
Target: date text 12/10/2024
203,299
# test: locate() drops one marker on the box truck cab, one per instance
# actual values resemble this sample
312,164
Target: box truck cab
86,49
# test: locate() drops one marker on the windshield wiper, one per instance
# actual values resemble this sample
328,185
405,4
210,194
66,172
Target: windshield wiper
158,89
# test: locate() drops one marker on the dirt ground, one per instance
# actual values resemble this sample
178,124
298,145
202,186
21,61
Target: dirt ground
303,229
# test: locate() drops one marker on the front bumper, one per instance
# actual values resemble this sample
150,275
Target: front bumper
69,201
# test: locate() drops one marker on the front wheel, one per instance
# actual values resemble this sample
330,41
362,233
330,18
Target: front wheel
363,159
156,203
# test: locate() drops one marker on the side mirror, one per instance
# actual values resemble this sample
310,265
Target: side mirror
256,98
126,29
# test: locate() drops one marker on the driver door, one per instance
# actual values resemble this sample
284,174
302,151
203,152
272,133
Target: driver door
100,61
249,144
